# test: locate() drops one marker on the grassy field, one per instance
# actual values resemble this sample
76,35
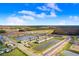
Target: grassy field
44,45
65,48
15,52
2,46
58,38
74,48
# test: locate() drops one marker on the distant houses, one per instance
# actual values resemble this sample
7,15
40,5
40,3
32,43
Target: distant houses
2,40
5,50
43,38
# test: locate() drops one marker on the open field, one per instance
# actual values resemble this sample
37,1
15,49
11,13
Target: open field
39,39
44,45
15,52
65,48
74,48
69,53
2,46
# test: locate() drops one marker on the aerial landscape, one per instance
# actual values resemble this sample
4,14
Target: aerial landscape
39,41
39,29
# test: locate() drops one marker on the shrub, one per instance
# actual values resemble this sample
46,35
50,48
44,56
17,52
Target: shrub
2,31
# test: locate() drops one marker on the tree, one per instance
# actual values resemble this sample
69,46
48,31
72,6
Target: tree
2,31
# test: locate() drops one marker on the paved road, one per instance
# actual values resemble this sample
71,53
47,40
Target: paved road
22,47
26,50
56,48
51,52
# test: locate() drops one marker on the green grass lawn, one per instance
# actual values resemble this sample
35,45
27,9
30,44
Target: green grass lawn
59,38
2,46
74,49
15,52
44,45
65,48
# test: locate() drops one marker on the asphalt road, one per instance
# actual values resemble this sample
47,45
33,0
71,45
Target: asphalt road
57,47
22,47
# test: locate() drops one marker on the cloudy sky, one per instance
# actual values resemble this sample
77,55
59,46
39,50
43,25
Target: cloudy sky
39,14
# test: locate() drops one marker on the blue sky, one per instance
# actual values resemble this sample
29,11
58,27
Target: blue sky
39,14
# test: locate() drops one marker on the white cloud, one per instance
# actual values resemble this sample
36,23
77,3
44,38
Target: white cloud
18,20
27,17
27,12
49,7
70,20
42,15
43,8
53,6
14,21
53,14
74,18
63,22
33,14
70,17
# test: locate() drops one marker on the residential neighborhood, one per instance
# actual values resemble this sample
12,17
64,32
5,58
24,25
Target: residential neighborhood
39,29
38,42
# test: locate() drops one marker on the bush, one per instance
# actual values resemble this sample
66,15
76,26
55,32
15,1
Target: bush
2,31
